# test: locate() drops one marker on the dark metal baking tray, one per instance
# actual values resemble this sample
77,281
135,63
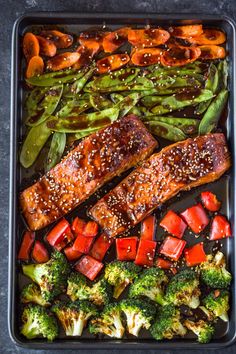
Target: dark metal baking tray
225,187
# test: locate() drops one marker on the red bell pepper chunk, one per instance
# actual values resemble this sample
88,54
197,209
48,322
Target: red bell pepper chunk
40,253
163,263
146,252
173,224
172,247
210,201
148,228
195,255
71,254
78,226
91,229
89,267
26,245
126,248
83,244
60,235
100,247
196,218
220,228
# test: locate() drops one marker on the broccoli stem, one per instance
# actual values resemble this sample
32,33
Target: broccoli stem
224,317
30,329
119,288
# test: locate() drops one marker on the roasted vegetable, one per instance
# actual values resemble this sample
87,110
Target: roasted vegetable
209,36
56,150
216,304
149,37
211,52
188,126
35,67
30,46
179,56
32,293
60,39
186,31
112,63
203,330
115,39
147,56
166,130
47,47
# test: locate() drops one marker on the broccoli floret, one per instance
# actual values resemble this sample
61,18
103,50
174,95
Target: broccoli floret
214,272
74,315
120,275
50,276
109,322
202,329
216,304
150,283
183,289
138,314
101,292
32,293
167,323
38,322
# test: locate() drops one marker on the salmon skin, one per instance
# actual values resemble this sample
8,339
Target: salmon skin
96,160
178,167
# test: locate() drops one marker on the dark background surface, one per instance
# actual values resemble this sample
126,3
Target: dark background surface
9,11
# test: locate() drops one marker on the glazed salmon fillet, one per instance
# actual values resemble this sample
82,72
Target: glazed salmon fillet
96,160
178,167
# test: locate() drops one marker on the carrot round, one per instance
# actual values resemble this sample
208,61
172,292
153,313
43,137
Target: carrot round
186,31
150,37
47,47
114,40
94,36
30,46
60,39
212,52
35,67
146,56
179,56
63,61
112,62
209,36
86,54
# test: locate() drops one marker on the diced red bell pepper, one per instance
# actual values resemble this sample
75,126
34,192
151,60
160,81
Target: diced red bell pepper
173,224
148,228
145,253
126,248
83,244
78,226
100,247
71,254
40,253
26,245
163,263
196,218
195,255
210,201
172,247
89,267
220,228
91,229
60,235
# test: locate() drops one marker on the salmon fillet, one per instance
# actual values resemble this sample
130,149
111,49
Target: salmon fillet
175,168
96,160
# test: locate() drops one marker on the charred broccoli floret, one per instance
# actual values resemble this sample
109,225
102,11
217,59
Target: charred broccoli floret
167,324
32,293
101,292
183,289
74,315
214,272
216,304
120,274
150,283
50,276
138,314
109,322
202,329
38,322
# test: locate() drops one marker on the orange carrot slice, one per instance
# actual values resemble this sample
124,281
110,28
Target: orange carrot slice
35,67
186,31
212,52
86,54
63,61
47,47
150,37
209,36
30,46
179,56
94,36
60,39
147,56
112,62
114,40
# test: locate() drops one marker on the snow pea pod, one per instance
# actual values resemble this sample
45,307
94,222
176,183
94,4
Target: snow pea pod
116,97
211,117
34,98
188,125
70,90
34,142
223,74
99,102
151,101
56,77
166,131
128,103
74,107
135,110
46,105
56,150
191,68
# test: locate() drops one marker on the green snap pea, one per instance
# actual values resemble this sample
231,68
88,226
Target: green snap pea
73,107
56,150
128,103
223,74
135,110
56,77
188,125
70,90
116,97
151,101
99,102
166,131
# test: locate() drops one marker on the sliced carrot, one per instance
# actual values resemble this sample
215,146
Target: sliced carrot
60,39
150,37
179,56
63,61
112,62
146,56
114,40
86,54
94,36
209,36
47,47
212,52
35,67
30,46
186,31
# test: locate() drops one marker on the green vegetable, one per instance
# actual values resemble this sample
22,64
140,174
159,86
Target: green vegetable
74,107
189,69
116,97
151,101
166,131
216,304
56,77
56,150
202,329
99,102
73,89
188,125
32,293
127,103
223,75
